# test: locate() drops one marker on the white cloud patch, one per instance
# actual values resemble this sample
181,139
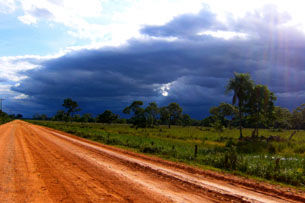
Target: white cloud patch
11,68
72,14
28,19
11,74
21,96
225,34
7,6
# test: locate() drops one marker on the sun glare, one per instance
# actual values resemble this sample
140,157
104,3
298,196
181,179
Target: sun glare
164,89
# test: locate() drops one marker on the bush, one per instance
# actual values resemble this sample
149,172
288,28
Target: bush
250,147
230,159
150,149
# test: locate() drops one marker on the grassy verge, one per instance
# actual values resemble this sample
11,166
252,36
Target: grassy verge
276,161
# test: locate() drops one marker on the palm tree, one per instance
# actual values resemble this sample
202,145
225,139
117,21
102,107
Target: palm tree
242,86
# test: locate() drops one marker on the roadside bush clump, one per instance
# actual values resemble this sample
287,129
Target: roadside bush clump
148,148
230,159
251,147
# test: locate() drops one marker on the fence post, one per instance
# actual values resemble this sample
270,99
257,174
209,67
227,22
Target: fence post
196,151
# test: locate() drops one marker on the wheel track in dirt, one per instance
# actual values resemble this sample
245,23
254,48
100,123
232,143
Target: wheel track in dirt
42,164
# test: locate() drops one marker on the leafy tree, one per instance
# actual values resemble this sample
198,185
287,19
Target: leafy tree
61,116
43,117
71,106
186,120
222,111
152,114
19,116
107,117
87,117
269,114
76,118
218,126
165,116
138,118
282,118
175,113
135,107
4,117
208,121
242,85
298,117
261,106
3,114
195,122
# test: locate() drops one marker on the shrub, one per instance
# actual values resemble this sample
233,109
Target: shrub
230,159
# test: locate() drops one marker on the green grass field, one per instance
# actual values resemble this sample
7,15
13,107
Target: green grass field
276,161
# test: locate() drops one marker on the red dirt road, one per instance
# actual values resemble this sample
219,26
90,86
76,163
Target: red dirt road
38,164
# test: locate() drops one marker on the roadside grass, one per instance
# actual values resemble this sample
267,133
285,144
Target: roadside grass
283,162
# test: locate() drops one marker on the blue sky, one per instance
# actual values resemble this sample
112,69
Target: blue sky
107,53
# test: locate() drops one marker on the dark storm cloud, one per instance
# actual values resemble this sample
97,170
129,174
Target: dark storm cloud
194,67
185,25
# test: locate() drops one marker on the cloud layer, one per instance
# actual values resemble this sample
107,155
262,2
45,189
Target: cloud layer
182,59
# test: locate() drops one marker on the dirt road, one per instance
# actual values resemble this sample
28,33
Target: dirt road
38,164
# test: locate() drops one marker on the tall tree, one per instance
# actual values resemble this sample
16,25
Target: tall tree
165,116
175,113
87,117
241,85
4,117
282,118
261,106
152,114
71,106
60,116
298,117
135,107
186,120
138,119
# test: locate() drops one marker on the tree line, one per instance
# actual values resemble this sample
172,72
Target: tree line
150,116
4,117
252,107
